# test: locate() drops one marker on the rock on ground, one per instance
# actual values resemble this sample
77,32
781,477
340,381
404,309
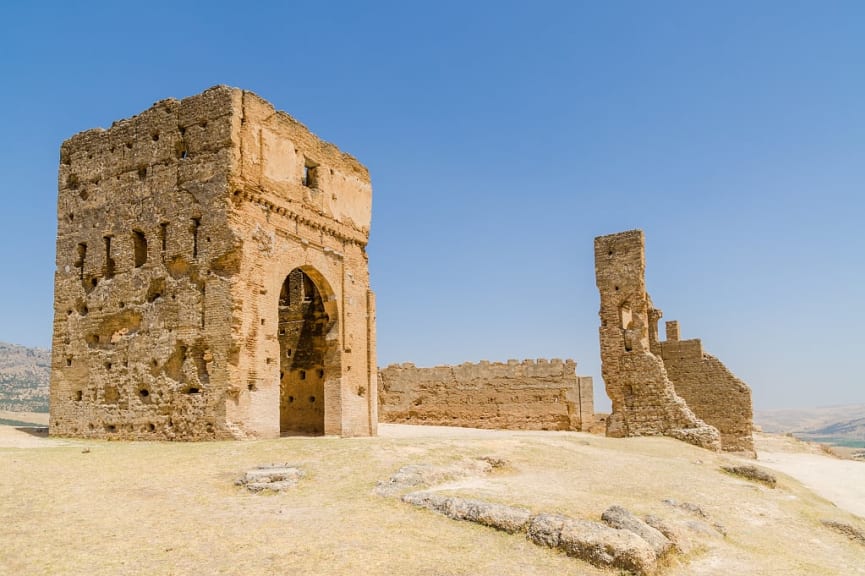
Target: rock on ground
593,542
752,473
509,519
273,477
618,517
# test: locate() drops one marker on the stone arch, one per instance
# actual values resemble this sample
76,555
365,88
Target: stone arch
310,363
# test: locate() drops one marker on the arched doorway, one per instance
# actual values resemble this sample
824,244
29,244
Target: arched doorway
308,356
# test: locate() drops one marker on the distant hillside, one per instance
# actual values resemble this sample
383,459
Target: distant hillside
843,425
24,375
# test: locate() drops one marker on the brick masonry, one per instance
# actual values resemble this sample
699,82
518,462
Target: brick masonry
212,278
672,387
528,395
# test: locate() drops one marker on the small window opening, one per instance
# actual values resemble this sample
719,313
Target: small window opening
262,321
69,361
79,263
312,399
144,392
163,237
320,373
302,374
142,172
310,174
192,390
139,244
151,427
109,261
308,288
290,399
79,395
196,224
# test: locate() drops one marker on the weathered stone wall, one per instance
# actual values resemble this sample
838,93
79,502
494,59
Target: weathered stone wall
177,232
528,395
714,394
656,387
643,399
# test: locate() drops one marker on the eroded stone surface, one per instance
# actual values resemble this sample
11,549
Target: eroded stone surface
670,388
618,517
212,278
272,477
529,395
752,473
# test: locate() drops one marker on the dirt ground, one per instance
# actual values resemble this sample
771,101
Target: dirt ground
115,508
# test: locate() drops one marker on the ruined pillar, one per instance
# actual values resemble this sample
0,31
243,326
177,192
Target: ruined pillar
644,401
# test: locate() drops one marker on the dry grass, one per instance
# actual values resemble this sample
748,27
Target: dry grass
160,508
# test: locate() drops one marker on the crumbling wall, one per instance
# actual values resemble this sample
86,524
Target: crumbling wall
177,229
714,394
527,395
644,401
670,387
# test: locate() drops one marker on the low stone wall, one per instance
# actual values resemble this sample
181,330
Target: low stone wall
528,395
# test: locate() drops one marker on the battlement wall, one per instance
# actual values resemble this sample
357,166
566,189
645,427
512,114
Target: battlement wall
523,395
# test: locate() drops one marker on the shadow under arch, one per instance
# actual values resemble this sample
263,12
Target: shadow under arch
310,364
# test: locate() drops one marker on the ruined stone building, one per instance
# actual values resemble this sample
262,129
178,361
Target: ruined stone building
212,278
529,395
667,387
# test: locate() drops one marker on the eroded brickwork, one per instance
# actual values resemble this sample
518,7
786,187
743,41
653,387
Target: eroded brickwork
212,278
527,395
714,394
672,387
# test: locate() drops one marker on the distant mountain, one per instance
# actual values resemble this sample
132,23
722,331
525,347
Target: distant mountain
831,424
24,376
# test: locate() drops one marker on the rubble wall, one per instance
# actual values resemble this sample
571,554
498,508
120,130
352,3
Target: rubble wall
527,395
178,230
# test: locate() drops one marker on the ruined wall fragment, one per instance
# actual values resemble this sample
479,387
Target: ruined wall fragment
527,395
644,401
712,392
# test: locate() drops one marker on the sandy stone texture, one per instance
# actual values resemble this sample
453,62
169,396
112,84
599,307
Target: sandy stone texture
212,278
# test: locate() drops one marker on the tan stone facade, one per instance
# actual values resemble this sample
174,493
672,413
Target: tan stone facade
528,395
670,387
212,278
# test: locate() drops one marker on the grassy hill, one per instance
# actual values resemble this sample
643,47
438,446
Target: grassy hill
106,508
24,376
838,425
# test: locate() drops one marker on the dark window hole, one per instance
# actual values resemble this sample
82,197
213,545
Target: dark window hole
144,392
290,399
312,399
79,395
192,390
302,374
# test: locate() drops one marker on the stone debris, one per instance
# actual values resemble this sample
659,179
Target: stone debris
272,477
624,546
752,473
416,476
618,517
848,530
509,519
593,542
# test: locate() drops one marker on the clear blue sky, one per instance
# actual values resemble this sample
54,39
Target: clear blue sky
502,137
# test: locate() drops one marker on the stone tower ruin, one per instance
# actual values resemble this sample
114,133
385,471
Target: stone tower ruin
212,278
661,387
